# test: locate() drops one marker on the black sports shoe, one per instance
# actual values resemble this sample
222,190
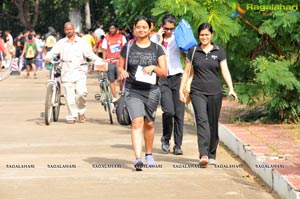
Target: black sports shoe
177,150
165,146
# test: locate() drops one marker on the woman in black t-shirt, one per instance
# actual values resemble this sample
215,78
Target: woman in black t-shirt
146,63
206,91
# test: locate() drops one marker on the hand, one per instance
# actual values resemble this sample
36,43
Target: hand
148,69
124,74
182,97
233,95
160,33
100,65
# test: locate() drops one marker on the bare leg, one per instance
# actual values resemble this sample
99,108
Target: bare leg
137,136
149,135
34,69
113,89
28,69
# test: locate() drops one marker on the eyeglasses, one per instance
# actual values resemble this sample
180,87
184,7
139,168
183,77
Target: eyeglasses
168,29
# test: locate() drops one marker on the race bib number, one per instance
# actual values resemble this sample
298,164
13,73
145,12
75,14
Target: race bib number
115,48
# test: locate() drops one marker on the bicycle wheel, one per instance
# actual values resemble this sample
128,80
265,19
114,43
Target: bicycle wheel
108,102
56,107
48,104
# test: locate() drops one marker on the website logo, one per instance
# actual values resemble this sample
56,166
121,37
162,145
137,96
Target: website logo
237,10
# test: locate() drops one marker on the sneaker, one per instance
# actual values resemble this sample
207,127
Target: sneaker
138,164
165,146
203,161
150,161
177,150
212,161
81,118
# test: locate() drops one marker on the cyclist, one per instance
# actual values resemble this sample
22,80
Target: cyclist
73,52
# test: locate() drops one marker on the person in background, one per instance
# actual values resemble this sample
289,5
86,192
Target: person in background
206,91
98,47
89,38
146,63
39,43
99,31
172,107
2,50
152,27
112,45
29,54
50,40
73,52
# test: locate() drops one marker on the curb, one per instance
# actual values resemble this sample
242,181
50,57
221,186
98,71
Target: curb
277,182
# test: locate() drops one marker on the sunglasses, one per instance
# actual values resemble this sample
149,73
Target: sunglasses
168,29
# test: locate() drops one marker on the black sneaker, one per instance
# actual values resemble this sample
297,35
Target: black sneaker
177,150
165,146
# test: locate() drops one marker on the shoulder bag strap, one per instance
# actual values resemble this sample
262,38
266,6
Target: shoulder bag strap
126,62
192,61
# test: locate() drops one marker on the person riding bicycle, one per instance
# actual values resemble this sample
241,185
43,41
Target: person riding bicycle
73,52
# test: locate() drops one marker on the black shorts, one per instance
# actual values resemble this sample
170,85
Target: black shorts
112,74
142,103
30,61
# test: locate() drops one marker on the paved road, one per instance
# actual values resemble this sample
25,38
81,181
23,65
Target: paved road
99,156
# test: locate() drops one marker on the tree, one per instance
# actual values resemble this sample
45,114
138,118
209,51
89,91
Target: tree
87,14
27,14
262,50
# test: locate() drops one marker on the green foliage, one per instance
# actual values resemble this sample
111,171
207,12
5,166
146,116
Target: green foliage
126,11
275,87
262,47
216,12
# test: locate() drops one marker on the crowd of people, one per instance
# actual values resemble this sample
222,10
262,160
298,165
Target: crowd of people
148,64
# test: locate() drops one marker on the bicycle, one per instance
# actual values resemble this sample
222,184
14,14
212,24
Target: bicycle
105,96
53,93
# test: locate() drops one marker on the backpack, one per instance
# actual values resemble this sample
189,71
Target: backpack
50,41
30,50
184,36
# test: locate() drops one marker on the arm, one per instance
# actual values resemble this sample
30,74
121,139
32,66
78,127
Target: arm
104,47
227,77
121,68
53,53
160,70
184,79
24,50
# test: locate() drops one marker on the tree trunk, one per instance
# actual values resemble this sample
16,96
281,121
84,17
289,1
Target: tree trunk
27,19
87,14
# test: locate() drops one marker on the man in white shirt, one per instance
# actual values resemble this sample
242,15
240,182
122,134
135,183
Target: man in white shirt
73,52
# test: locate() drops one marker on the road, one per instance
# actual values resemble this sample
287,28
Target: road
95,159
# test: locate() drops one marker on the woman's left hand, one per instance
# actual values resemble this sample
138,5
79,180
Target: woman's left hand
148,69
233,95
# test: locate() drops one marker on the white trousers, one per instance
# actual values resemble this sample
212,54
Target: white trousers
75,95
